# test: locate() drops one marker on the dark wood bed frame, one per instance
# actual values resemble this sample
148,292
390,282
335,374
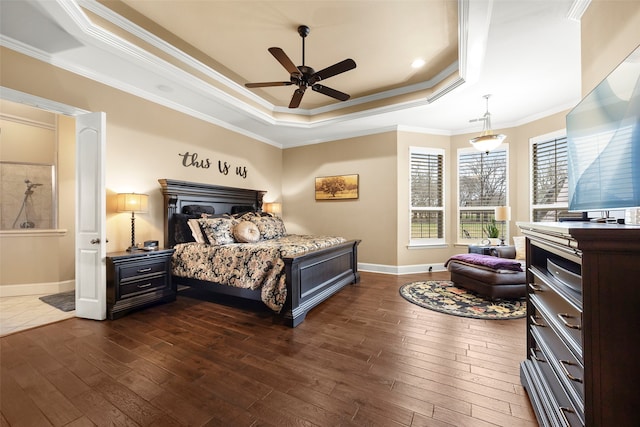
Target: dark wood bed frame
310,278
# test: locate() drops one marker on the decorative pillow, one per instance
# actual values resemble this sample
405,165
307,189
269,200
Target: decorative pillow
270,227
198,210
182,230
218,231
519,242
246,232
196,231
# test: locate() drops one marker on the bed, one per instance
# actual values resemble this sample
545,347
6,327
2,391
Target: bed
309,278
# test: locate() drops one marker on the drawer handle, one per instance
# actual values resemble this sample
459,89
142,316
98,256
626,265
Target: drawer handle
564,317
534,321
564,409
144,286
534,287
534,356
144,270
564,364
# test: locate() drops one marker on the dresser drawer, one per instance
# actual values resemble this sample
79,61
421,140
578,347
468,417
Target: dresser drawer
132,288
564,317
558,407
567,368
142,268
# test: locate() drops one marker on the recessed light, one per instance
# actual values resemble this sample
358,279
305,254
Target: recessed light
417,63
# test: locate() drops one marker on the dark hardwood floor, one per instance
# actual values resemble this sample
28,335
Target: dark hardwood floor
364,357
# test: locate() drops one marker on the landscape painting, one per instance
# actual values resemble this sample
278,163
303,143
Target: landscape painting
338,187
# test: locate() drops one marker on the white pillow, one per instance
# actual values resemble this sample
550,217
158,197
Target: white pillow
520,244
246,232
196,231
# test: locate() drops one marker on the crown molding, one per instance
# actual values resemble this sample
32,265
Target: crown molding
577,9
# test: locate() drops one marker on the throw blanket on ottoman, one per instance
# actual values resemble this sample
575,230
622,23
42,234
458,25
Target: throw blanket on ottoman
488,275
488,261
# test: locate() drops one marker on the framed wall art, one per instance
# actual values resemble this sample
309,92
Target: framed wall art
337,187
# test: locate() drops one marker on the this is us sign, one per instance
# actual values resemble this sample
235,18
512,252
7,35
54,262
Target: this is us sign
192,160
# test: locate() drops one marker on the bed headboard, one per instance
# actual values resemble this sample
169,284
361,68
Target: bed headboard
178,194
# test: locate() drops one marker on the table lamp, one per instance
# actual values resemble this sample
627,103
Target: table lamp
273,208
134,203
503,214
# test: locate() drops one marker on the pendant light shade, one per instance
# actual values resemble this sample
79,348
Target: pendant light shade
487,140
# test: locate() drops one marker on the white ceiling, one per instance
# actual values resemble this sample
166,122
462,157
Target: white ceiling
525,53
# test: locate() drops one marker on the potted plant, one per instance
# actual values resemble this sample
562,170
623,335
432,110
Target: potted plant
493,232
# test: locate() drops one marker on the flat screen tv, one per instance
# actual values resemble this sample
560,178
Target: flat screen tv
603,143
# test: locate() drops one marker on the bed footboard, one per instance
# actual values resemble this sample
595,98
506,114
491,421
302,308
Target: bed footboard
314,277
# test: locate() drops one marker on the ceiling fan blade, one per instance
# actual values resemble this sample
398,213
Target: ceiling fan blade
297,97
267,84
284,60
340,67
330,92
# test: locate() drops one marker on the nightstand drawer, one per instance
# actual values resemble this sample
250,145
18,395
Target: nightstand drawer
129,289
142,269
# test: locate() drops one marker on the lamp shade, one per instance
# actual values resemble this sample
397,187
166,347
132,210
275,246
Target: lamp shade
487,142
133,202
272,208
503,213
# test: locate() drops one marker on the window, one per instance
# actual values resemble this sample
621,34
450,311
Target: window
549,179
482,185
427,196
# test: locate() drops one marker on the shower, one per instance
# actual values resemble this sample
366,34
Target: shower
26,201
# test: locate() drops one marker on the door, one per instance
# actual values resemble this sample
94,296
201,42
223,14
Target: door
91,287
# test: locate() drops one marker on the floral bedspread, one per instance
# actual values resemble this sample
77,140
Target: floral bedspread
247,265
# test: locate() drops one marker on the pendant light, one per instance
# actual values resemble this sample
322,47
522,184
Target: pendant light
487,140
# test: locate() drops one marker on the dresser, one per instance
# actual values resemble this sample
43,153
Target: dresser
138,279
583,324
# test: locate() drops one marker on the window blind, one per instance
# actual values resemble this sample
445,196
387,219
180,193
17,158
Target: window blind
427,195
482,178
426,180
550,179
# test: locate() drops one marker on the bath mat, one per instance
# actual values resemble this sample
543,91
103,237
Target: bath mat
443,296
65,301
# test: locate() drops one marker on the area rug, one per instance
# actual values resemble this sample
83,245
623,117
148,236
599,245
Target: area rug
443,296
65,301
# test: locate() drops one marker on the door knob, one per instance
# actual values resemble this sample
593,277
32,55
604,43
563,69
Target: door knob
95,241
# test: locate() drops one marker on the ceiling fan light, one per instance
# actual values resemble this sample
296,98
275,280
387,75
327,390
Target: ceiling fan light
487,142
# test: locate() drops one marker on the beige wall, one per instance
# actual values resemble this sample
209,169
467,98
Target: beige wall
144,143
420,255
372,217
610,31
34,261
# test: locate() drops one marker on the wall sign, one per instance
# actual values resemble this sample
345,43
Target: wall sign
192,160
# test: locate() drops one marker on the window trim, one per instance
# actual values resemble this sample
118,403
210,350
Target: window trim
428,242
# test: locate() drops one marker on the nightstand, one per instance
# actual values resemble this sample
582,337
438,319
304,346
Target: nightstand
138,279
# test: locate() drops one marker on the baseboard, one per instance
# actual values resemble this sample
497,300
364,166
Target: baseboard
400,269
37,288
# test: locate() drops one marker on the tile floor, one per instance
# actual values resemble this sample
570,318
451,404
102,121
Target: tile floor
26,312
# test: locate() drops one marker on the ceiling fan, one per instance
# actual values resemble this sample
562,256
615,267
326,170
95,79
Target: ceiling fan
304,76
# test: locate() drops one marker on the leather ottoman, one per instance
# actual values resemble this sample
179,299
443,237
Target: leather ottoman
491,283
